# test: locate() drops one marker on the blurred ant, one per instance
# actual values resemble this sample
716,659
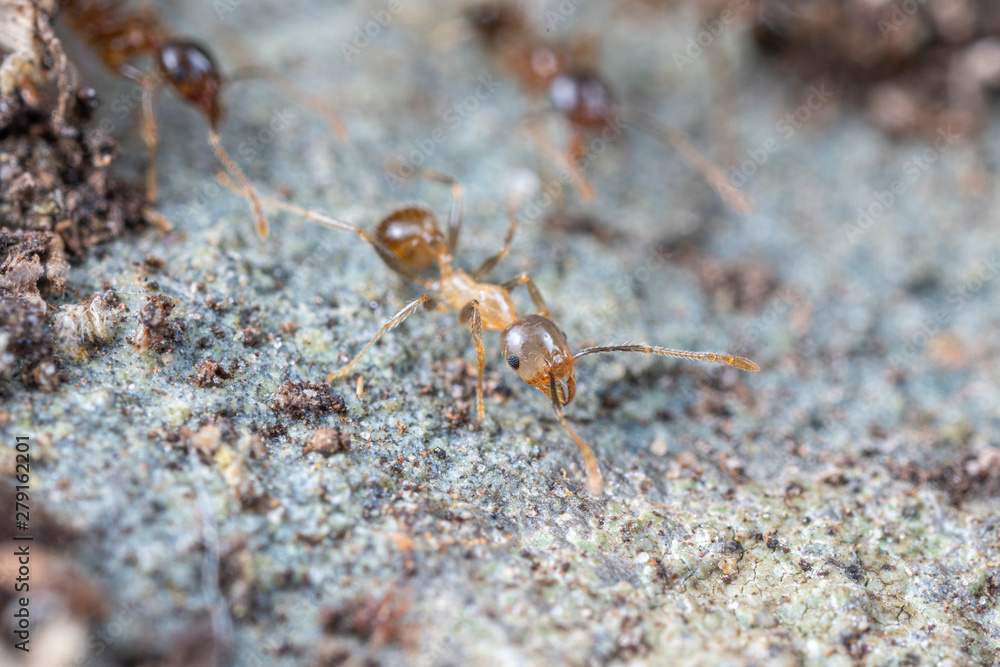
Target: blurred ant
121,37
577,93
409,240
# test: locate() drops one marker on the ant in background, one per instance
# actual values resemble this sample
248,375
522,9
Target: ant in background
409,240
569,80
120,37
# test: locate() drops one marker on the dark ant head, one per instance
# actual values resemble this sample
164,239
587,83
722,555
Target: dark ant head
538,352
583,98
192,72
413,236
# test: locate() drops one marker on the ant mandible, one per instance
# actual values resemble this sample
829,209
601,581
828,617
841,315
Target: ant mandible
409,240
577,93
121,37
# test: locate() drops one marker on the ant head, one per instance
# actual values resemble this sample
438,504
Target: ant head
538,352
413,236
583,98
192,72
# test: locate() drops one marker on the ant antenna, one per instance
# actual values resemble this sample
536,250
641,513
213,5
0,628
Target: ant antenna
245,188
741,363
682,144
294,91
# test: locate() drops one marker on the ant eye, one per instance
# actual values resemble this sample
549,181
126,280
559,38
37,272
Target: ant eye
513,361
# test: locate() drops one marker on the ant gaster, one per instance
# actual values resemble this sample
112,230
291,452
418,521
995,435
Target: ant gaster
575,91
410,240
121,37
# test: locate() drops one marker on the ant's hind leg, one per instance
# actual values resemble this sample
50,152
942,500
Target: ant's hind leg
549,149
393,322
490,263
536,296
457,195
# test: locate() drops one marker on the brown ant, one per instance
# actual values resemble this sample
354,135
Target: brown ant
577,93
120,37
409,240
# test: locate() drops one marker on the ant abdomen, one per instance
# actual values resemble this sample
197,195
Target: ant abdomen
192,72
538,352
413,236
583,98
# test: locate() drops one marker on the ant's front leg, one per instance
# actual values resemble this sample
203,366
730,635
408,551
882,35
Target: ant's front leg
536,296
471,316
149,132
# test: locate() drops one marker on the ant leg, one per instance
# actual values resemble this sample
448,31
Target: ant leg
536,296
576,148
490,263
741,363
245,186
295,92
149,134
393,322
457,195
545,145
328,220
595,480
476,324
680,142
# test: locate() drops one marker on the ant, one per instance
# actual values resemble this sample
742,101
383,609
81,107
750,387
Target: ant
582,97
121,37
410,240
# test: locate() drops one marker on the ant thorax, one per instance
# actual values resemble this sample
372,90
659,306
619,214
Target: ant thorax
496,308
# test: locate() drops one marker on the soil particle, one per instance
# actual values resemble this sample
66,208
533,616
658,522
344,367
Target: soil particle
329,441
25,345
31,263
154,325
300,400
207,372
